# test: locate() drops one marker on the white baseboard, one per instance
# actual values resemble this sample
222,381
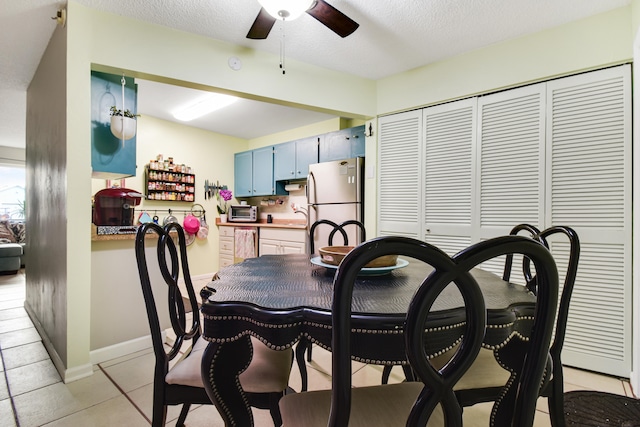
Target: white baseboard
77,373
67,375
634,380
202,276
121,349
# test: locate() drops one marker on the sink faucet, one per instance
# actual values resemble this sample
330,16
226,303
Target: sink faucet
300,210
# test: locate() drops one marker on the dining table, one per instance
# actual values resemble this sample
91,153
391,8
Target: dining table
282,299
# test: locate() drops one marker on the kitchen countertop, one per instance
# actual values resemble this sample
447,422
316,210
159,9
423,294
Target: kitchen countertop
299,224
277,223
111,237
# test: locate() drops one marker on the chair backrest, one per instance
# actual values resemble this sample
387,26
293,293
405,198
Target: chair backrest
336,228
169,259
517,404
569,278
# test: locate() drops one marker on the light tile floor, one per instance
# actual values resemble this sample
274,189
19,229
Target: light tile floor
119,392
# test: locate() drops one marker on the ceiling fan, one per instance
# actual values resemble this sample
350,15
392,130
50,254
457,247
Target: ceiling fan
328,15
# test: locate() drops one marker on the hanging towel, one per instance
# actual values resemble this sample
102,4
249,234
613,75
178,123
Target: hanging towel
245,246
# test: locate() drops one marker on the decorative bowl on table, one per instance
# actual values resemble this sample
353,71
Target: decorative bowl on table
333,255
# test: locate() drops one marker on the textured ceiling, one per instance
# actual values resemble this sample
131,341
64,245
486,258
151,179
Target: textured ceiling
393,36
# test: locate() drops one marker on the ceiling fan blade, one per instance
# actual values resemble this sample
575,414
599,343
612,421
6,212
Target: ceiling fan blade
335,20
261,26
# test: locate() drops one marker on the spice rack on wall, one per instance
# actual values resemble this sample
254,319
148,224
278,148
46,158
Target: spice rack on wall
166,181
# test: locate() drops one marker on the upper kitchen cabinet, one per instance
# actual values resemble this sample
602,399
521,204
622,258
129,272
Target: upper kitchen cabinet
243,174
263,183
343,144
111,157
291,160
253,173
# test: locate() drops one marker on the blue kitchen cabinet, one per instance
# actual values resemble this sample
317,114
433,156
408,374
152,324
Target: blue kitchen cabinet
263,183
284,161
343,144
291,160
306,154
243,174
358,142
253,173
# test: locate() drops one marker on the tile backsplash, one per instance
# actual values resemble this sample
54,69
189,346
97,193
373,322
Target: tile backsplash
280,206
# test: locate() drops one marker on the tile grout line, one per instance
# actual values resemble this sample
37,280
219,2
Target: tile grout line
123,393
6,380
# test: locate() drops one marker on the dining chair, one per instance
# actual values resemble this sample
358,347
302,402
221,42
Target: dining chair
266,378
432,400
495,377
335,229
483,381
304,345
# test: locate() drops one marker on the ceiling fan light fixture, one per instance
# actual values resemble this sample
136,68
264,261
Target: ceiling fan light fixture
203,106
286,9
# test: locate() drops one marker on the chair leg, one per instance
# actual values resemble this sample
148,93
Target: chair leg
408,373
309,352
386,372
274,408
159,416
303,344
183,414
556,403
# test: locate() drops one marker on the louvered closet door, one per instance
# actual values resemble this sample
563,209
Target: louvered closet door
449,131
510,160
399,174
510,176
589,189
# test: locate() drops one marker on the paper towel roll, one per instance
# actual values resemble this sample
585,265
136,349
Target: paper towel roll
292,187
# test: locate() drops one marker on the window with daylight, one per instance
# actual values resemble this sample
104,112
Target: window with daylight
12,193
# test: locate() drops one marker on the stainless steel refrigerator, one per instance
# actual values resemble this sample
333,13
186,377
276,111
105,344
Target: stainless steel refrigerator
335,192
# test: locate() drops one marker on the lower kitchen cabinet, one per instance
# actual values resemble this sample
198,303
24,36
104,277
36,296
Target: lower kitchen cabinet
282,241
226,245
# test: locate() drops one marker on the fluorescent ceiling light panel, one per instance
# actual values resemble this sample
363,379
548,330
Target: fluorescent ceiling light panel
286,9
205,105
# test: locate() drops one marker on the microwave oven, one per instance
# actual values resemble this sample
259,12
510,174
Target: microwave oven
243,213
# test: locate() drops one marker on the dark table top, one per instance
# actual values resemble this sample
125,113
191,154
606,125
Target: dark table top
290,281
280,298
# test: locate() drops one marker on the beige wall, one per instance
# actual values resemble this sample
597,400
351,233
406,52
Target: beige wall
172,56
62,304
297,133
114,274
594,42
211,157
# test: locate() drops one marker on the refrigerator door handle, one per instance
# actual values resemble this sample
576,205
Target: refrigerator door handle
310,178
